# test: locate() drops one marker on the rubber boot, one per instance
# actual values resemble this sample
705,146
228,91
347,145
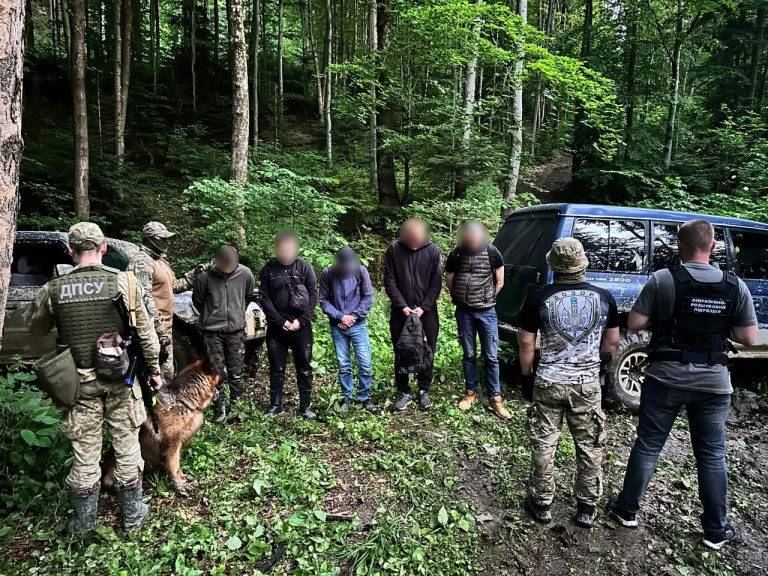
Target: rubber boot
85,507
132,508
219,411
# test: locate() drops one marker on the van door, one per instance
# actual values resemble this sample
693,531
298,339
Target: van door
523,242
750,258
617,252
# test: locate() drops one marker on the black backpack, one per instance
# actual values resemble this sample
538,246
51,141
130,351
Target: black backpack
412,350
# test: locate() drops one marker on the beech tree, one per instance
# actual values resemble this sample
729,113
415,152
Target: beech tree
240,118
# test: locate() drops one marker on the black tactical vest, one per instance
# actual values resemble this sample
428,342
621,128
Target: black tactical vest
83,305
474,284
702,317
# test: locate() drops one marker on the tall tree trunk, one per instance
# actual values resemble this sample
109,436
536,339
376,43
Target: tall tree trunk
216,32
631,81
328,80
385,159
516,124
80,111
66,27
315,61
239,172
674,88
280,87
193,52
757,47
374,47
467,120
255,77
11,143
119,133
582,134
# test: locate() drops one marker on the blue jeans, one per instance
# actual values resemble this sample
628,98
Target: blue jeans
357,338
707,412
483,323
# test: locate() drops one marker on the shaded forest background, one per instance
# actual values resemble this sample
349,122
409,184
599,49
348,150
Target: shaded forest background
227,118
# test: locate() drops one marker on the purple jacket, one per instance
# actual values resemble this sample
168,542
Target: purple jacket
340,296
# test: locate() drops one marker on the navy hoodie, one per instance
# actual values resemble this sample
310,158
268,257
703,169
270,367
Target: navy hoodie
412,278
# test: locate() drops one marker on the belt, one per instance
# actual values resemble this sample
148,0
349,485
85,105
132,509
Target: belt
690,357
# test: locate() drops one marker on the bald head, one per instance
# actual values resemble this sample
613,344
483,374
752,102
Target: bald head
414,232
696,240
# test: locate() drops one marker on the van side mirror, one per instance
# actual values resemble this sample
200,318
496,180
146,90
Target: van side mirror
62,269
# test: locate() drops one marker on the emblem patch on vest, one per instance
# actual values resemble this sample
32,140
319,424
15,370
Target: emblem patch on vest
77,290
574,314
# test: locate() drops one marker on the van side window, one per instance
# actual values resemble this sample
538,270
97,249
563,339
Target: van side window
612,245
665,247
750,254
525,242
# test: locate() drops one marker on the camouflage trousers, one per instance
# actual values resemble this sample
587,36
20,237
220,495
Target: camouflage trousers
167,370
227,352
579,405
119,409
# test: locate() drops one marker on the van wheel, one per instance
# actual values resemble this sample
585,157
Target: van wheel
627,372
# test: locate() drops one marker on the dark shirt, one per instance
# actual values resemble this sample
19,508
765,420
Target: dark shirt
412,277
571,319
493,255
275,281
350,295
221,299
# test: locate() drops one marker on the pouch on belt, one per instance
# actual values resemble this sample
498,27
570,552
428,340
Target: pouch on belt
57,376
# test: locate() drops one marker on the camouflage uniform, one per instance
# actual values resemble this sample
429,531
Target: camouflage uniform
227,349
160,284
579,404
114,404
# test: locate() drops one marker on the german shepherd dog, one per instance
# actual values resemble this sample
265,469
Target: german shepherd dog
178,413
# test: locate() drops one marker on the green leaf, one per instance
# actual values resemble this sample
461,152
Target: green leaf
320,515
234,542
29,437
442,516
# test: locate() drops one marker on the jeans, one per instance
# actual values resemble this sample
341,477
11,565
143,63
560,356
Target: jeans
483,323
279,341
430,322
357,337
707,412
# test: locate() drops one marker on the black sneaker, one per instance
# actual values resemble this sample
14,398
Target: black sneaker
275,410
219,413
585,515
626,519
344,405
403,402
308,413
540,512
716,541
424,402
370,407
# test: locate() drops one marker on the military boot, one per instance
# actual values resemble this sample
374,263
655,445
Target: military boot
219,411
85,506
132,509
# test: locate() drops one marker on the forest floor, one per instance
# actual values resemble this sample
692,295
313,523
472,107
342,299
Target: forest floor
435,493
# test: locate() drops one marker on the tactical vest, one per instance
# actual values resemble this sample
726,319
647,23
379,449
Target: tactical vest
474,283
702,317
83,305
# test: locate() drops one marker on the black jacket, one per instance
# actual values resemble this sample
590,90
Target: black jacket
221,299
412,277
275,280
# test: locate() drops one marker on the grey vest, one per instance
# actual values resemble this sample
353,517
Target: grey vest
474,284
83,305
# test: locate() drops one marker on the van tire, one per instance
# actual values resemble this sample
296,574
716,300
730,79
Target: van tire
626,371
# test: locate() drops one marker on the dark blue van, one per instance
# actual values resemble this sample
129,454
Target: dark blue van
625,245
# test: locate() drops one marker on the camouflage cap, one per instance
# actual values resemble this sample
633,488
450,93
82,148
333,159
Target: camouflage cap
156,230
567,256
85,232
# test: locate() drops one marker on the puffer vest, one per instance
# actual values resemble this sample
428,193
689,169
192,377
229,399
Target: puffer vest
83,305
473,281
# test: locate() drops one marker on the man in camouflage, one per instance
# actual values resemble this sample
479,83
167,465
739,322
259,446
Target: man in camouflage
576,321
81,306
154,272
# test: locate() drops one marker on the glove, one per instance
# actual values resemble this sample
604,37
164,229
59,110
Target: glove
526,383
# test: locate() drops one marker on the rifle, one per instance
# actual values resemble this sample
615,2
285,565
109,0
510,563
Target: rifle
137,367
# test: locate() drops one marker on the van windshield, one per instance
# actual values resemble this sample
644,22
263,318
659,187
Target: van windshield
525,242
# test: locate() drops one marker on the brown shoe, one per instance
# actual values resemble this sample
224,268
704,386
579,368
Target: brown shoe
496,406
466,402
